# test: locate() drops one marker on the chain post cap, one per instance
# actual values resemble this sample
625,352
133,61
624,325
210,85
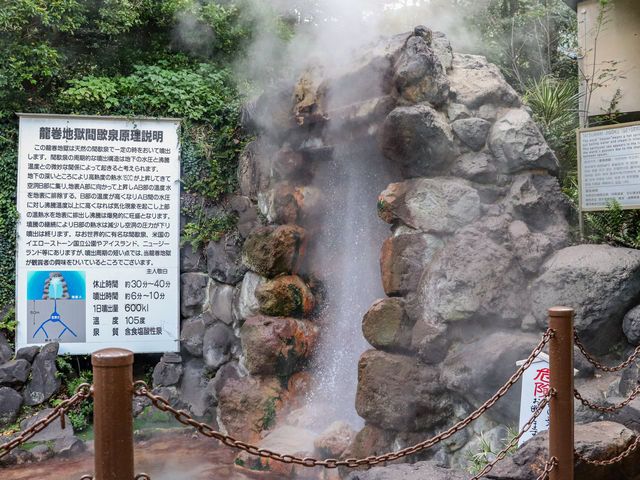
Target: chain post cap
112,357
560,311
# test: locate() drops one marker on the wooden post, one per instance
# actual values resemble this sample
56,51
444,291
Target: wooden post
113,414
561,380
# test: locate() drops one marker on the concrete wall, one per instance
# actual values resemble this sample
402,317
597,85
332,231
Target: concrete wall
619,39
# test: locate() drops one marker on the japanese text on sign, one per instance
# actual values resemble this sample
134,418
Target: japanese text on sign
98,258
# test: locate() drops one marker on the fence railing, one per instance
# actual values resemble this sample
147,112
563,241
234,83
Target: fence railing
113,389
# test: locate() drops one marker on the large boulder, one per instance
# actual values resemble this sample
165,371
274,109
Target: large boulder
333,442
476,369
271,250
396,393
403,258
599,281
223,260
476,82
285,296
248,406
53,431
438,205
276,345
517,144
418,139
475,277
245,212
595,441
44,381
386,326
419,75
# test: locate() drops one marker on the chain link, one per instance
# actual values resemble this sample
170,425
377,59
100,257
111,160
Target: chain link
84,391
504,452
550,465
610,461
597,364
142,476
611,408
141,389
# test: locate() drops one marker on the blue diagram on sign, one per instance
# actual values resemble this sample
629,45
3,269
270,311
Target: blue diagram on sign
56,306
54,318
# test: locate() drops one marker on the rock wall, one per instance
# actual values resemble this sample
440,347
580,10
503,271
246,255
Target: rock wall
479,248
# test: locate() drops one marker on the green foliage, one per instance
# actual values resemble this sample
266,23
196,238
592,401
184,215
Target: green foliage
614,226
268,418
204,230
80,415
554,104
476,461
166,58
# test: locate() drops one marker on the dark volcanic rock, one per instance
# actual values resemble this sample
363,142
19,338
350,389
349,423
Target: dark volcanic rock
285,296
223,260
6,352
10,403
476,82
404,257
272,250
165,374
631,325
28,353
276,345
216,346
418,139
475,370
599,281
477,167
386,326
44,382
472,131
595,441
517,144
419,75
395,393
193,293
432,205
14,372
469,277
417,471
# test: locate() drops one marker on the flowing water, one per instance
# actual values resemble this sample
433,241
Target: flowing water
347,258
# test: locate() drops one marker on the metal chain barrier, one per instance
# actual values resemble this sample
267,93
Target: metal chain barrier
84,391
597,364
550,465
611,461
503,453
142,390
140,476
611,408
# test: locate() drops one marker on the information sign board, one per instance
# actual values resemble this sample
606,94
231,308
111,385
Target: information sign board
98,235
609,166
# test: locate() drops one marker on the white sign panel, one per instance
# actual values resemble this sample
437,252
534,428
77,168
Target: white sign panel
609,166
535,386
98,257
